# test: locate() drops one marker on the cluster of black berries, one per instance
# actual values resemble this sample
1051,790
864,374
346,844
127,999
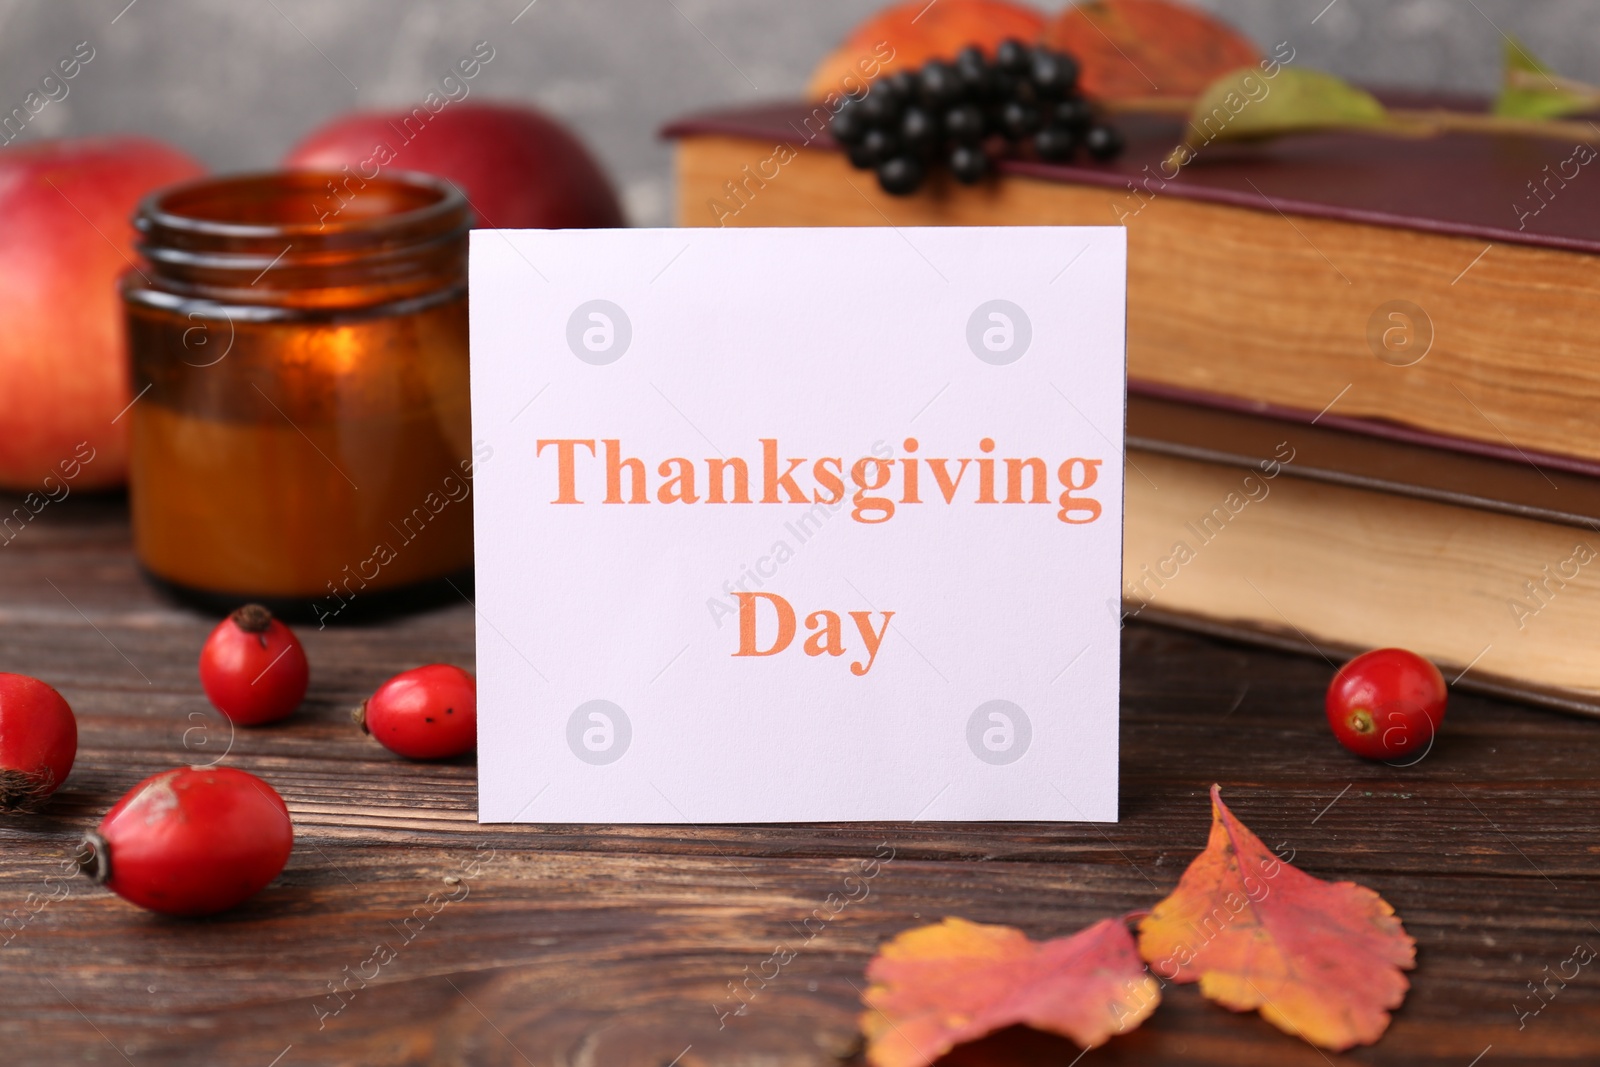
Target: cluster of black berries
947,111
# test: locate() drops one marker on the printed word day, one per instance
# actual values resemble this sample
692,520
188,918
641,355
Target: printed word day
880,484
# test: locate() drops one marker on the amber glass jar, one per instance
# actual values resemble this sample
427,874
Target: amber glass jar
301,434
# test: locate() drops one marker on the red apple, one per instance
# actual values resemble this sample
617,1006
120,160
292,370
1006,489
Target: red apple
63,355
519,168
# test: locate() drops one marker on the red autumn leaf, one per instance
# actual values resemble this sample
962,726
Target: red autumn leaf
1138,48
907,35
938,986
1320,960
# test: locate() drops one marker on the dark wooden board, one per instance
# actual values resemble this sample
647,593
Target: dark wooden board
620,945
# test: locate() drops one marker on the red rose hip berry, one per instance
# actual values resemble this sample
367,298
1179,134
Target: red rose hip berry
253,668
1386,704
191,841
38,742
426,713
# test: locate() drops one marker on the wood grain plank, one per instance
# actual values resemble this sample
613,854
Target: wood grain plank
626,944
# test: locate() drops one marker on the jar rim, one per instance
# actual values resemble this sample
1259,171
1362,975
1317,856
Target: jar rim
250,238
191,210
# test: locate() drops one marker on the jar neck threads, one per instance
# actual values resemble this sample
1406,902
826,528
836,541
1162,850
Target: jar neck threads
271,239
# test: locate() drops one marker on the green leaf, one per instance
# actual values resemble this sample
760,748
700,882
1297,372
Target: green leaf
1246,104
1531,90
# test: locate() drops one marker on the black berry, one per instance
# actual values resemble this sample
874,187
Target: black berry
900,176
903,85
848,127
1053,74
1075,114
879,145
1055,144
880,106
1103,142
1012,56
964,123
968,164
972,70
919,131
940,84
1018,120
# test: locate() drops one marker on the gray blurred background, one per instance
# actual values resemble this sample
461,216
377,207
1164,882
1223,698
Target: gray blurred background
236,82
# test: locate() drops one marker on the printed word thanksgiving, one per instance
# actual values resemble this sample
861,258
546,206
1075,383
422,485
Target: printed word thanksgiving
876,486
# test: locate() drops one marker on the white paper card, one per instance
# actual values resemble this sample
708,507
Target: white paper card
785,525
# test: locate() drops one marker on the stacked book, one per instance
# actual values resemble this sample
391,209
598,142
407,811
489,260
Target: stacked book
1364,373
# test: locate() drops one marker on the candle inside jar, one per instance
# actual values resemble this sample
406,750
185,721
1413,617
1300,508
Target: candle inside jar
304,437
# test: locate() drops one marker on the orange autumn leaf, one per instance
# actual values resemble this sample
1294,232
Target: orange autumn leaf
1139,48
1320,960
905,36
936,987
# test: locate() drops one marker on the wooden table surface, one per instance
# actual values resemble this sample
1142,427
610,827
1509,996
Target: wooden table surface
562,945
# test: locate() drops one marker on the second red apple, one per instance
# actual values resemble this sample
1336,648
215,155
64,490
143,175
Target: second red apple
518,168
